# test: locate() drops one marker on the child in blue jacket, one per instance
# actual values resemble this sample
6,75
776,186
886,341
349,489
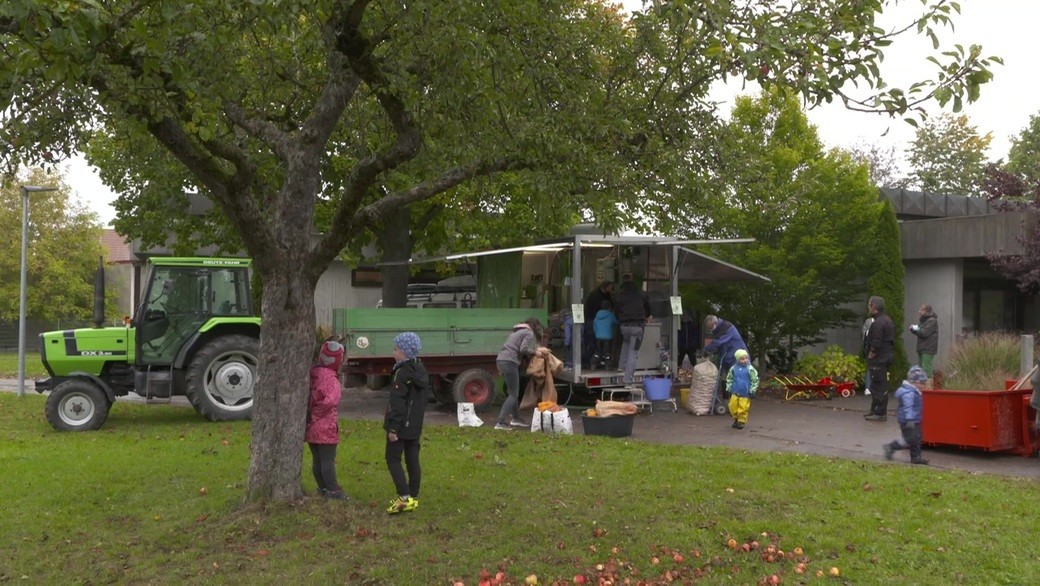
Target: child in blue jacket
603,327
742,385
908,395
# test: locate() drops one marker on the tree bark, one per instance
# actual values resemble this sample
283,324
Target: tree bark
280,399
395,239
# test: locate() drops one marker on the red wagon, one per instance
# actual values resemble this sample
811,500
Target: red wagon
800,387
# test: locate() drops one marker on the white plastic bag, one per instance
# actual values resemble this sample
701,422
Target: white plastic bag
552,422
468,416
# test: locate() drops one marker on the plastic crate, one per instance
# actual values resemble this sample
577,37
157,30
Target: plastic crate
612,426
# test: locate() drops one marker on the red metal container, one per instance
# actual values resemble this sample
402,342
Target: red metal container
995,421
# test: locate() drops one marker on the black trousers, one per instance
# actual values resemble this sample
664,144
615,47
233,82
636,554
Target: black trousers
405,485
879,387
911,440
323,466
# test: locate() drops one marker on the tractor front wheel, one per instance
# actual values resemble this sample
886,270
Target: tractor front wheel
221,378
77,405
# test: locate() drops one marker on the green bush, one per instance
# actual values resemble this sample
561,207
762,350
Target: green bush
833,363
982,362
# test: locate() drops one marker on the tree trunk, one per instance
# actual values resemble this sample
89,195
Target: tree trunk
396,241
280,398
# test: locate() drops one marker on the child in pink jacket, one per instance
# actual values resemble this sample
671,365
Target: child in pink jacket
323,419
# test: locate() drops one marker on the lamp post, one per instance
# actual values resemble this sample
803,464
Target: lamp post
26,190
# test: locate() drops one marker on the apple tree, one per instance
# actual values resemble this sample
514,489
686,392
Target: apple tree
309,122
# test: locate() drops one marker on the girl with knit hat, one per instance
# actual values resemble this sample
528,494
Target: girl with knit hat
322,433
742,385
403,422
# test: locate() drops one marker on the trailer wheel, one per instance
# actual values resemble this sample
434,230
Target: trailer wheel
443,390
376,381
77,405
351,381
475,386
220,379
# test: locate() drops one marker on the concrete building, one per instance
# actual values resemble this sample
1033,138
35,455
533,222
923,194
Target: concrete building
945,241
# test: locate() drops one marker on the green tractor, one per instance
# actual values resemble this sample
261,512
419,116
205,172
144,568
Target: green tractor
193,334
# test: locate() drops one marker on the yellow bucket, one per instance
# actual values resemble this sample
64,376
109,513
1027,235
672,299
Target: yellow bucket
684,394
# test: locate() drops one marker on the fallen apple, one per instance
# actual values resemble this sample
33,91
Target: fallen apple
798,551
203,491
835,572
531,580
579,579
678,558
732,543
655,560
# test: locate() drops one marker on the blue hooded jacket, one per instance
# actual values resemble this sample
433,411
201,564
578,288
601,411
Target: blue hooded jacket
726,341
911,403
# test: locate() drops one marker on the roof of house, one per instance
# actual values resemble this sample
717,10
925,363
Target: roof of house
116,247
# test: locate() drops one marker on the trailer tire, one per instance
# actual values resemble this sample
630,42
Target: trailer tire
221,378
77,405
351,381
376,381
475,386
443,390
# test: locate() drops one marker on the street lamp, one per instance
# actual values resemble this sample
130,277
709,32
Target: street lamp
26,190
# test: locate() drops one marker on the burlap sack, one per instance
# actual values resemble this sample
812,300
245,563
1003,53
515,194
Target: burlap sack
702,388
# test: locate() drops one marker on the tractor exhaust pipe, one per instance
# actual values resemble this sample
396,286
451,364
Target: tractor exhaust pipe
99,294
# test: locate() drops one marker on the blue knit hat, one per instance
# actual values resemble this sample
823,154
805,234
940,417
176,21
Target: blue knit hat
916,374
409,344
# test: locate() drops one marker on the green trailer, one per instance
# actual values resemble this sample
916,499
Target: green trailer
459,345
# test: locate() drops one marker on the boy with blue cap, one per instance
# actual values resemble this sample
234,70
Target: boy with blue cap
403,422
910,400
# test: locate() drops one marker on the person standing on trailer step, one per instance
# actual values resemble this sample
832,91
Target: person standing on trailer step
603,326
593,303
742,386
633,311
403,422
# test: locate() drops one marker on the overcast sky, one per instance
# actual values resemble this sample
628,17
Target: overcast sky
1005,28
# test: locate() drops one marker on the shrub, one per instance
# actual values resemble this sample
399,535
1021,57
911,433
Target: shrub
833,363
982,362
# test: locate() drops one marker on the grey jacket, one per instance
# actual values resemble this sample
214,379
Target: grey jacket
927,333
519,344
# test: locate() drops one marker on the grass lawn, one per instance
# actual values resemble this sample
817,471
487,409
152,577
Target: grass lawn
126,504
33,365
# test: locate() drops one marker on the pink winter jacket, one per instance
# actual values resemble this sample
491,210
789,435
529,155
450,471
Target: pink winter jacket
323,407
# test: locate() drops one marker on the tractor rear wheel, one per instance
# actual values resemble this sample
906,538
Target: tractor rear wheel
77,405
221,378
475,386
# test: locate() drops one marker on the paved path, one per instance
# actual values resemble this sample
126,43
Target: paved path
833,428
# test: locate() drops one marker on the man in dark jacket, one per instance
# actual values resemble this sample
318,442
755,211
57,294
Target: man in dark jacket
881,343
927,332
593,303
633,311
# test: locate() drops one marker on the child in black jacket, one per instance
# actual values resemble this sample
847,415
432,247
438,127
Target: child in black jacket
404,420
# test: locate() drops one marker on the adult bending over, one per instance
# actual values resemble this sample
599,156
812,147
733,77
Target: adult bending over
523,342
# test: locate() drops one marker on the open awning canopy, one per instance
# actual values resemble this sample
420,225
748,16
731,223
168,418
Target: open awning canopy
693,266
697,267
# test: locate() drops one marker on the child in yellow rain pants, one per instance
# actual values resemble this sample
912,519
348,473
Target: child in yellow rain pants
742,385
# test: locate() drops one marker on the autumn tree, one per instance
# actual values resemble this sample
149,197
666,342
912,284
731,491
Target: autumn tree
948,155
882,164
309,122
1015,187
62,254
812,214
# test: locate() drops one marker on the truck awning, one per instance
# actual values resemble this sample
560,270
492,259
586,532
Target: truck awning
699,267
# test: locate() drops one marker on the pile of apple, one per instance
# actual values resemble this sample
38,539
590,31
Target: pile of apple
618,571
